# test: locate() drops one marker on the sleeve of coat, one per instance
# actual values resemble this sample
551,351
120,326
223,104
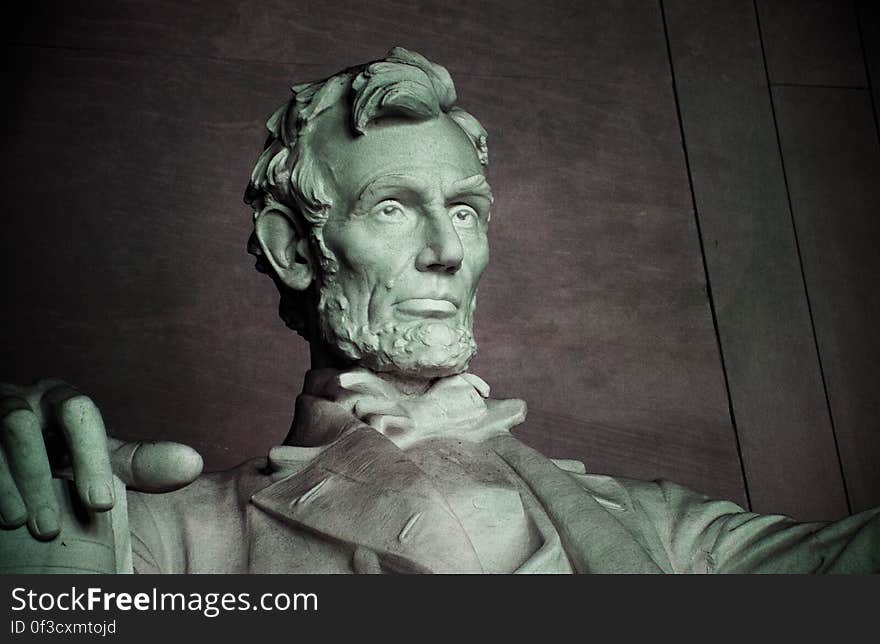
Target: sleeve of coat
704,535
200,528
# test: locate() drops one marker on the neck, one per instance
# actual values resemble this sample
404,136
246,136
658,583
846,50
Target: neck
322,357
405,410
407,385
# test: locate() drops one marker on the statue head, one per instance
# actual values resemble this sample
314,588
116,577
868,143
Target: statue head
370,214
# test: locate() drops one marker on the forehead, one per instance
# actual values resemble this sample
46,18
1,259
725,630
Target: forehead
437,150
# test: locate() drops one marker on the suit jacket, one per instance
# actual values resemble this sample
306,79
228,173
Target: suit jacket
325,510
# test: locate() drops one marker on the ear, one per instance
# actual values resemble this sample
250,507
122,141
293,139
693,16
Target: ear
284,246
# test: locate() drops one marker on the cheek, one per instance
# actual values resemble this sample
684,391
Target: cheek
477,256
367,264
366,249
377,265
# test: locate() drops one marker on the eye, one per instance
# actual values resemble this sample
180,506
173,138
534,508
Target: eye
389,211
464,217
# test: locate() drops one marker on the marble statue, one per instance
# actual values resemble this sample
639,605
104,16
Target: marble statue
371,207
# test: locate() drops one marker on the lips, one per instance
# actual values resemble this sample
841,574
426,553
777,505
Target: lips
427,307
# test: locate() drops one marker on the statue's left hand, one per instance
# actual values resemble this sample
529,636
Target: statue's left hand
49,426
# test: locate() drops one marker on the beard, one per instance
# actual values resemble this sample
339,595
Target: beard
419,348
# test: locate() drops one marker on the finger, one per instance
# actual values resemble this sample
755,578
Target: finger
9,403
160,466
13,512
29,466
83,430
36,395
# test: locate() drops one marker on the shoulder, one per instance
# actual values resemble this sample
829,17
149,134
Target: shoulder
659,495
174,531
220,487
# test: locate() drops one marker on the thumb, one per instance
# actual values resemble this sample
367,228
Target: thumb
161,466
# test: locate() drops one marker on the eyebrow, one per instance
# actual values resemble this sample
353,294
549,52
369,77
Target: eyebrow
474,186
408,183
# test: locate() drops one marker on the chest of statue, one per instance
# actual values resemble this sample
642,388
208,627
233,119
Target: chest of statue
443,505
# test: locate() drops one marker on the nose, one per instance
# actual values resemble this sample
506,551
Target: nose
442,250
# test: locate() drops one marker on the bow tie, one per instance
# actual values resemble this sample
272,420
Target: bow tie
336,402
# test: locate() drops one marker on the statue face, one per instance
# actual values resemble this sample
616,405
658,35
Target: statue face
408,228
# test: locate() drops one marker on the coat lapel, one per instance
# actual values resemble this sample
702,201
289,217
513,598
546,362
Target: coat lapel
365,492
595,541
